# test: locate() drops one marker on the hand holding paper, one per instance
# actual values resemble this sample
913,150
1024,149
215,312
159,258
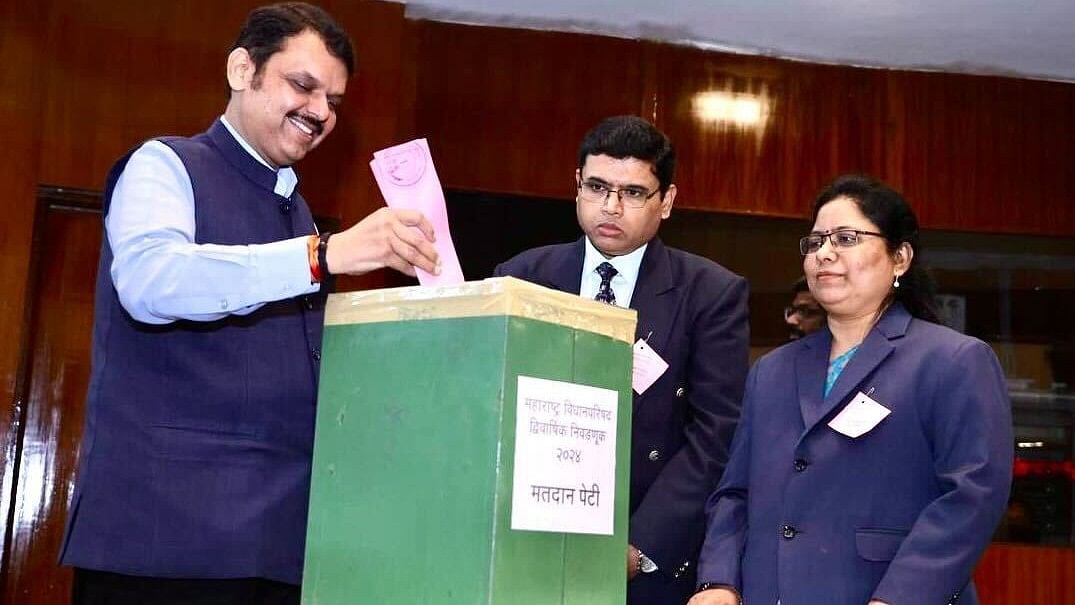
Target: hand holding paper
400,239
408,181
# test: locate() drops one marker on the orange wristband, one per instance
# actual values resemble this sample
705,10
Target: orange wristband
311,255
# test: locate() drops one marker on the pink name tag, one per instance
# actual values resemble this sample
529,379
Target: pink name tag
648,367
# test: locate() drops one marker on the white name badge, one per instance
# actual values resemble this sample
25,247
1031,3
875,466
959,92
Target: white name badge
647,368
859,417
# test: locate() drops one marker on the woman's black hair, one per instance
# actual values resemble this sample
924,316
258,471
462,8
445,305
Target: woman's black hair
894,218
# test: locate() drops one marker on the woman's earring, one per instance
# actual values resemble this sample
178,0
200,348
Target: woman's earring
896,282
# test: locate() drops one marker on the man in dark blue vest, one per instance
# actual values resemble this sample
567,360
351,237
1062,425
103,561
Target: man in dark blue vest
195,462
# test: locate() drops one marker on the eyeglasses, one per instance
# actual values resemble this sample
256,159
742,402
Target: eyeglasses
840,238
803,311
596,192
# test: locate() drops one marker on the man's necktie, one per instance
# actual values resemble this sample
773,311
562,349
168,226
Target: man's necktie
604,291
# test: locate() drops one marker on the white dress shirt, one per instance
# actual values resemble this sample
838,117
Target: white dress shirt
161,275
623,283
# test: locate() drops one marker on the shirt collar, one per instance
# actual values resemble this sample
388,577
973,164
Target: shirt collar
627,266
286,178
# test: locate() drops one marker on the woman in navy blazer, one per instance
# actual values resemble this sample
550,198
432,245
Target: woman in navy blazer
873,459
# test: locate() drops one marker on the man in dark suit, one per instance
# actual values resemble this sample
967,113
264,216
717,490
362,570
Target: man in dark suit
691,312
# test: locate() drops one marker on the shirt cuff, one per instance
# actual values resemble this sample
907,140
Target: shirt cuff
284,268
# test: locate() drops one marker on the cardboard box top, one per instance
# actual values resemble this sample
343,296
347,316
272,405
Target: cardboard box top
489,297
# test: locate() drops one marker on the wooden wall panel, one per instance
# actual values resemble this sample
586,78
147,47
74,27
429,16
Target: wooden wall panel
817,122
117,77
58,375
984,153
1029,575
22,25
504,110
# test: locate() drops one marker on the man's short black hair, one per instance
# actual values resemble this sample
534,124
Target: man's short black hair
632,137
267,28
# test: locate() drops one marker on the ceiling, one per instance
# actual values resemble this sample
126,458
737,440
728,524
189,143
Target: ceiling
1022,38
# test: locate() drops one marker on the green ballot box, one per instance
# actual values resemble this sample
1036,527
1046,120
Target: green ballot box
472,448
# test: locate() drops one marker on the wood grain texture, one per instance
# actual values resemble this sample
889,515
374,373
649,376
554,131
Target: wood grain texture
984,153
58,374
504,110
1028,575
22,25
816,123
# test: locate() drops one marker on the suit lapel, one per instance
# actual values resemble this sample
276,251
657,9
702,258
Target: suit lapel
811,365
656,298
563,269
877,346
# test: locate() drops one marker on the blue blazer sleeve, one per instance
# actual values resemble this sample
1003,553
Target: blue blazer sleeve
970,427
726,509
669,523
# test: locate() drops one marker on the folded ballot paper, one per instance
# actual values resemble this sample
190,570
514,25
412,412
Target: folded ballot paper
407,179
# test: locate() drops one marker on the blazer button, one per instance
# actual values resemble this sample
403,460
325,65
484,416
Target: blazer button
316,354
654,456
680,392
789,532
800,464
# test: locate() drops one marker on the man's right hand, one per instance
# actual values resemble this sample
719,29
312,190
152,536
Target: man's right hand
386,238
715,596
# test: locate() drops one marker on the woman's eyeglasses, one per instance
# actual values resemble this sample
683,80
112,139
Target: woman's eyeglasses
839,238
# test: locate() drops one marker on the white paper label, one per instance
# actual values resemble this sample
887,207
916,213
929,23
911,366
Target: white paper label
648,366
859,417
565,457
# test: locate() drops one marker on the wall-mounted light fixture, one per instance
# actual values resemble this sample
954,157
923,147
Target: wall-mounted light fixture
740,109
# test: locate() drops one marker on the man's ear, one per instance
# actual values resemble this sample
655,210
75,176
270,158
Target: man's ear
667,200
240,69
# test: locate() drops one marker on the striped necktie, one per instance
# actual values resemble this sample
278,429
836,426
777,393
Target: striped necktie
604,291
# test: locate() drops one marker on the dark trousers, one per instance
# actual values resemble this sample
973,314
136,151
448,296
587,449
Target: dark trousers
104,588
659,588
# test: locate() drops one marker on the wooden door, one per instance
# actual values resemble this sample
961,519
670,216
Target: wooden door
54,372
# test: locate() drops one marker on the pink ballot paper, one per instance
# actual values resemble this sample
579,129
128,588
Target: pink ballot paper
408,180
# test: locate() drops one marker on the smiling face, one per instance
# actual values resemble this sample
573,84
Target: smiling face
615,229
289,107
855,281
